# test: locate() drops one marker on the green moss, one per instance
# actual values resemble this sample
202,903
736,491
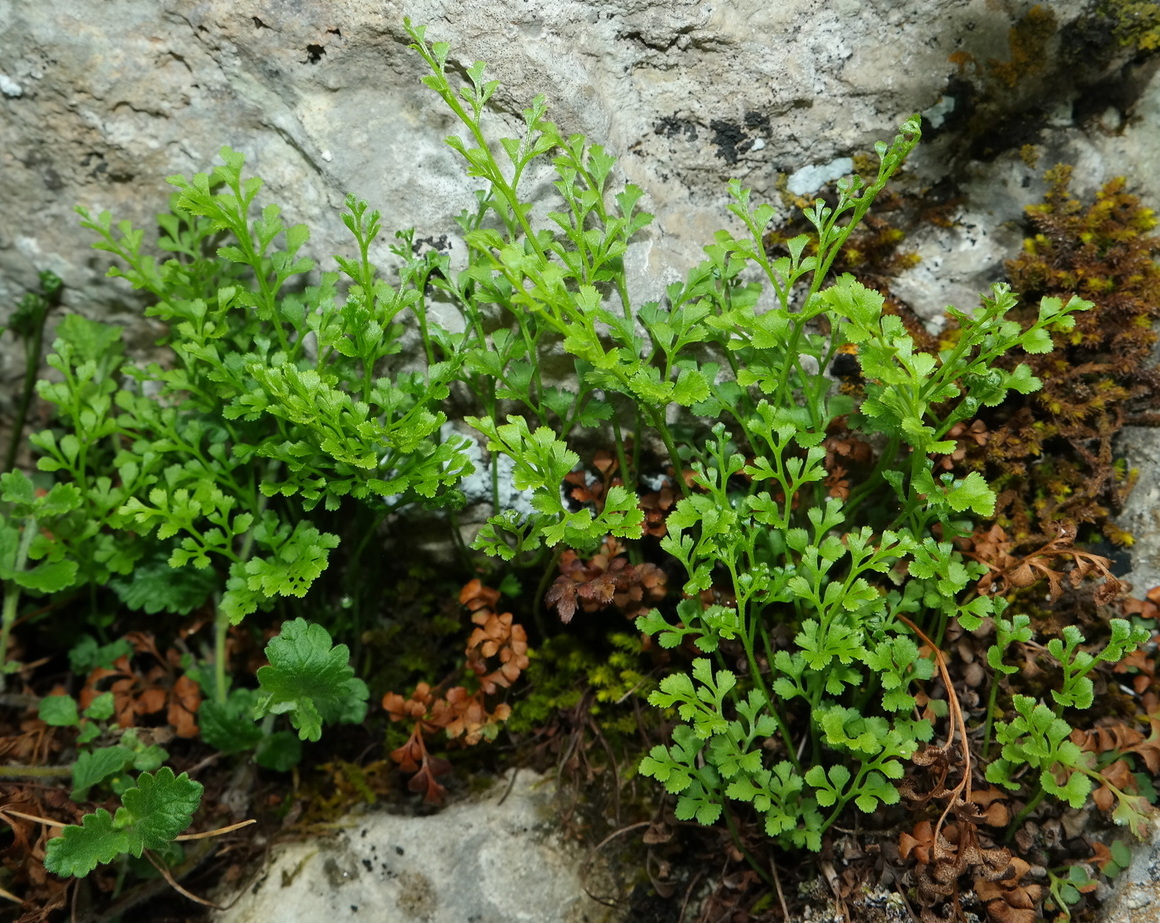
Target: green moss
1028,45
1135,23
564,672
1099,379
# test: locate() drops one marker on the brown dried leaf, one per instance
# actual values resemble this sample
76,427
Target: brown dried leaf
184,702
561,596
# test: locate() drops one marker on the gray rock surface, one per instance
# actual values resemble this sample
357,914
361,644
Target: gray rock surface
97,108
496,858
1141,515
1136,893
1135,896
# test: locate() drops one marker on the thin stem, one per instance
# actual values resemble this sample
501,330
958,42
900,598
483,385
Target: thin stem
541,589
12,594
1019,818
461,546
992,699
493,466
11,600
35,772
221,620
31,369
961,793
627,474
221,630
736,836
662,429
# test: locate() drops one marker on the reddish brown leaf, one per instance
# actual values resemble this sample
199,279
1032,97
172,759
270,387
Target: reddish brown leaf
561,596
184,702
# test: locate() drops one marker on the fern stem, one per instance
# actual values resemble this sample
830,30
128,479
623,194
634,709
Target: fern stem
221,629
12,594
736,836
1031,805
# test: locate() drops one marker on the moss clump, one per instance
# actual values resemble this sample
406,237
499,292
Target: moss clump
1050,454
1135,23
1028,45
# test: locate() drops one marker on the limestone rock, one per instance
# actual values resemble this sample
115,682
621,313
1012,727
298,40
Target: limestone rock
1141,516
496,858
100,104
1135,894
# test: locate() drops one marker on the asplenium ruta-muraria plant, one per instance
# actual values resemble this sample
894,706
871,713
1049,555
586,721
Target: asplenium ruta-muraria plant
197,477
814,612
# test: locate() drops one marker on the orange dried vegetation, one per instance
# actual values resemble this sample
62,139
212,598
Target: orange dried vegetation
140,693
496,654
